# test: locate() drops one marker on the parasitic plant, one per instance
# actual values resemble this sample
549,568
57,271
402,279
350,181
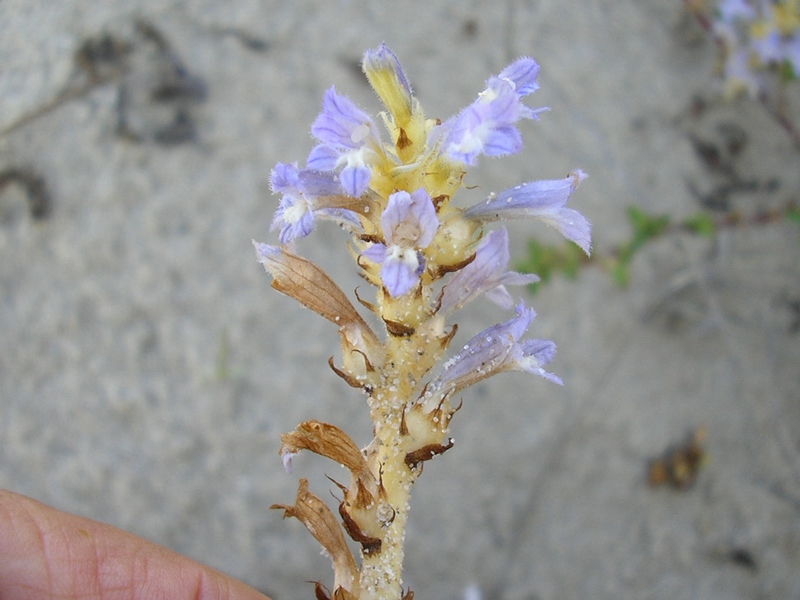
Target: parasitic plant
426,258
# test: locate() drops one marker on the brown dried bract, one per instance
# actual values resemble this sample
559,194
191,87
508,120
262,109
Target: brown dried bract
329,441
313,288
349,379
398,329
365,205
440,201
321,592
322,524
416,457
342,594
442,270
369,544
403,140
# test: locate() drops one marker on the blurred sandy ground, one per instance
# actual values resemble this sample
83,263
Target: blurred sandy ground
147,369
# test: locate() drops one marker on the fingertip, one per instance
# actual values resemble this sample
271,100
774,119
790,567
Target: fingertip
46,553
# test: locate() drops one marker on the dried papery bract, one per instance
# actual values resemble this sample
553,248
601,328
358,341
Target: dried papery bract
427,258
321,523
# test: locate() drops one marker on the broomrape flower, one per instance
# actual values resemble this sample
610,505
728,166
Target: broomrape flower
755,36
297,211
487,125
542,200
409,224
427,258
486,274
494,350
349,139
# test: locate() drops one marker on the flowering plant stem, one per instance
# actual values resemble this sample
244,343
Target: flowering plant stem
427,258
754,40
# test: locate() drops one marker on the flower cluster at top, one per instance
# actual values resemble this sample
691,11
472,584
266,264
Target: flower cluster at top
757,35
395,198
427,258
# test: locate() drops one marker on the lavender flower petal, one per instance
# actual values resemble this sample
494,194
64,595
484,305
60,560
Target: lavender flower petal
495,350
341,123
543,200
376,253
323,158
355,179
349,140
523,72
487,125
400,272
284,177
536,354
486,274
410,220
294,218
729,10
296,214
409,225
503,140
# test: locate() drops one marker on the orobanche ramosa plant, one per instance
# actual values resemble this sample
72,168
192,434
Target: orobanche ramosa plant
427,258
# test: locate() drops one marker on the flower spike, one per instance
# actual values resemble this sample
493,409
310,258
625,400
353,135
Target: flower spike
427,258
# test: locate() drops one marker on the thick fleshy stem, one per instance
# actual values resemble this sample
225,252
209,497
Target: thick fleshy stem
403,441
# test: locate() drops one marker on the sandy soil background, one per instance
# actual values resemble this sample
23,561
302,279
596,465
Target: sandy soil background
147,369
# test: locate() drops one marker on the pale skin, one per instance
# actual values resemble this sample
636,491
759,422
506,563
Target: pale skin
46,553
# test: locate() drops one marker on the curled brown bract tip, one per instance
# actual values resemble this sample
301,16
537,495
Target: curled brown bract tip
329,441
322,524
415,458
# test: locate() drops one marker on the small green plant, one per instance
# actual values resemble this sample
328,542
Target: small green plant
567,259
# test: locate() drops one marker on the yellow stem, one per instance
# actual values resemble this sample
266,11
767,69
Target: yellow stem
381,572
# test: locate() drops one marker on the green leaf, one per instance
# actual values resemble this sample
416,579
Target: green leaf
572,260
787,73
701,224
547,261
646,226
621,274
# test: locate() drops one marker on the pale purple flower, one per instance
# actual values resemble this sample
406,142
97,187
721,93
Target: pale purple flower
349,139
772,47
769,47
791,50
544,200
409,225
752,35
296,214
487,125
487,273
740,75
730,10
495,350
